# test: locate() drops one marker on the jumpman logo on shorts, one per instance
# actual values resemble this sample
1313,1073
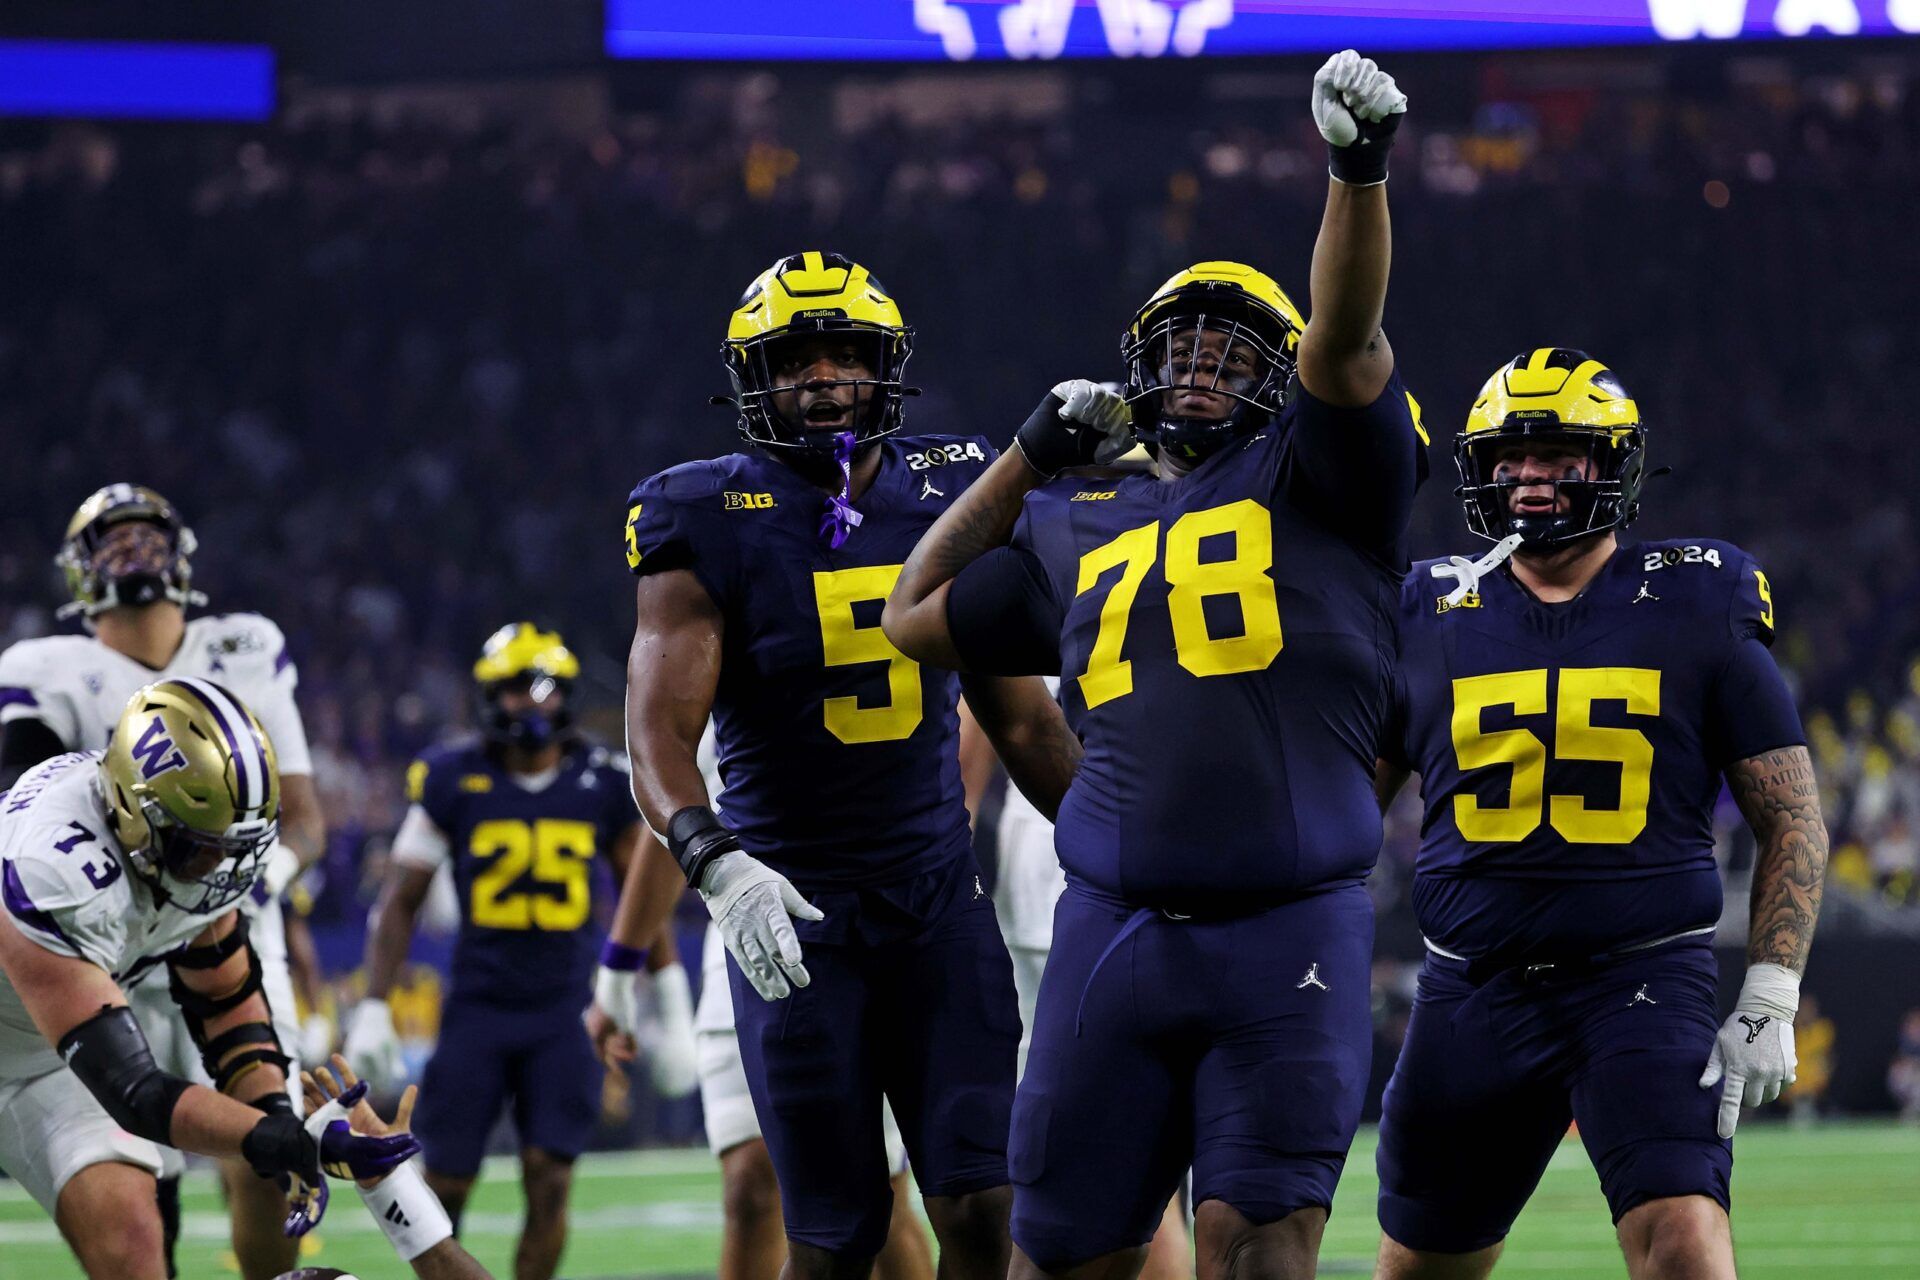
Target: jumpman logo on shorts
1312,979
928,491
979,890
1641,997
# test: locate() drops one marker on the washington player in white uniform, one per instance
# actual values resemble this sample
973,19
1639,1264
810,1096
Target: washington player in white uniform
753,1243
114,864
126,559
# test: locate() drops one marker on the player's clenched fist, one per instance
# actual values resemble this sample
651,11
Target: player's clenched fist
1357,107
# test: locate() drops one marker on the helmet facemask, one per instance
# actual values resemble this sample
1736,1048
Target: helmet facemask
527,728
754,365
202,873
1606,498
1196,356
136,558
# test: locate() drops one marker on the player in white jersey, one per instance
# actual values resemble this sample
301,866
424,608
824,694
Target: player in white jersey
126,557
112,864
753,1242
1027,883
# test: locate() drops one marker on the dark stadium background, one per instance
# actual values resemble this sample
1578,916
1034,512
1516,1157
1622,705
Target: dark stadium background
400,351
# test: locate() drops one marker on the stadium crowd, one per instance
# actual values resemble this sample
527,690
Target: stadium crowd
400,369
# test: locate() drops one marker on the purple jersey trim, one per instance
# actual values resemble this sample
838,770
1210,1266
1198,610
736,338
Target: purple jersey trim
282,660
14,696
21,907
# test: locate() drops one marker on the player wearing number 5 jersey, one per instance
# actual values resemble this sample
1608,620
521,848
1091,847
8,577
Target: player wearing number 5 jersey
523,817
1571,713
1224,636
865,959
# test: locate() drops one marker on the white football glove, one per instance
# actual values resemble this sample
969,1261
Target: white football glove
373,1047
1350,86
1753,1053
613,992
755,907
664,1030
1467,573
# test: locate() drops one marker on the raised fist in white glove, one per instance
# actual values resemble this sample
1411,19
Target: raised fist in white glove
1357,107
373,1047
755,907
1078,424
1753,1057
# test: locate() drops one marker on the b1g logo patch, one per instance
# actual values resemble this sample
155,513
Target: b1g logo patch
1468,601
1093,495
733,500
155,752
945,454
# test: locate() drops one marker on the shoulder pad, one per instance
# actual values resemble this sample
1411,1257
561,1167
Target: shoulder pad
927,453
35,663
243,638
442,761
660,511
1718,575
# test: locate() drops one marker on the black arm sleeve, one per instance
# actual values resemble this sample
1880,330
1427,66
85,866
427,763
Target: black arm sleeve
110,1055
1002,617
24,743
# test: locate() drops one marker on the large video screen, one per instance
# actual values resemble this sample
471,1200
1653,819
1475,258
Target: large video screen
978,30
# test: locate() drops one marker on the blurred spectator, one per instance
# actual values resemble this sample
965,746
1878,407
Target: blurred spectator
1903,1075
1813,1036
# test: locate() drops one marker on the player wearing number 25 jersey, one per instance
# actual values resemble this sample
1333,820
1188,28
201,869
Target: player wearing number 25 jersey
1571,714
762,578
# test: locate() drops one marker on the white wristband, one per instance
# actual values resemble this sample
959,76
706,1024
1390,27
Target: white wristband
408,1211
1772,989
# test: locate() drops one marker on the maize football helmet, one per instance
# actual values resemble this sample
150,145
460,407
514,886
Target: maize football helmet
523,658
1567,396
193,792
803,297
126,545
1256,334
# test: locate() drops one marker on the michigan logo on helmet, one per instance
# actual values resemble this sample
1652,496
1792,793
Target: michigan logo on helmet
1567,397
800,306
1208,358
126,545
193,792
526,680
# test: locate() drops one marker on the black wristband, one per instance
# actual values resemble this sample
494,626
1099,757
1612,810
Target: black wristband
1363,162
279,1144
277,1103
1050,443
696,838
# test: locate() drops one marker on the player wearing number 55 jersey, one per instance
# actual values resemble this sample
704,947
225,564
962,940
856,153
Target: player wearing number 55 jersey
1571,713
762,577
1223,632
523,816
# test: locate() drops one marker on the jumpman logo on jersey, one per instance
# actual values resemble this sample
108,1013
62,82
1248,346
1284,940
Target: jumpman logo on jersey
928,491
1754,1027
1312,979
1641,997
1645,595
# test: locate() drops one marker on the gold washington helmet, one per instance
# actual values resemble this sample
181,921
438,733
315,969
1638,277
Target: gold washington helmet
105,568
520,657
1258,335
193,792
1567,396
804,297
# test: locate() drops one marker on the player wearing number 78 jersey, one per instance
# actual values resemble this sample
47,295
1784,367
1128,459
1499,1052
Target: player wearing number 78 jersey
1571,713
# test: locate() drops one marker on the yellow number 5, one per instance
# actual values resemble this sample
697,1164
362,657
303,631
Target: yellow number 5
1576,737
843,643
554,850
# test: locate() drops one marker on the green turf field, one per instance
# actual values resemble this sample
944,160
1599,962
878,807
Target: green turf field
1838,1201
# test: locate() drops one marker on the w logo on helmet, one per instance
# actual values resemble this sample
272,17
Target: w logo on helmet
155,752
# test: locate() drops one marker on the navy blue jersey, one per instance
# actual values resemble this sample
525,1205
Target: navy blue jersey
1225,641
524,865
839,757
1570,755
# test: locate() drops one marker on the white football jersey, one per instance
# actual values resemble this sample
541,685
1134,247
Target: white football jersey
1030,879
65,884
78,687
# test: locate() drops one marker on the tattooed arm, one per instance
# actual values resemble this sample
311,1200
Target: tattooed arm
981,519
1780,800
1029,733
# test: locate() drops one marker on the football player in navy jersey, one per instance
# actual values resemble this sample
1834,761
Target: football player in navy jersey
1571,712
1224,636
523,815
761,581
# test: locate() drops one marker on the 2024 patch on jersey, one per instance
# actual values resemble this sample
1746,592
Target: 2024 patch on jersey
1570,755
839,754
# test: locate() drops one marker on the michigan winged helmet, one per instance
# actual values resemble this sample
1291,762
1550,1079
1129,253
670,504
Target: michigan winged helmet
520,658
808,296
1566,396
193,792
